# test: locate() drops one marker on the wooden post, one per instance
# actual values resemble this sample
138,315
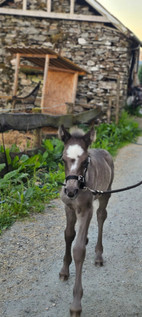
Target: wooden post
44,80
24,4
117,101
49,6
75,81
69,107
37,137
72,6
109,109
135,71
16,77
16,74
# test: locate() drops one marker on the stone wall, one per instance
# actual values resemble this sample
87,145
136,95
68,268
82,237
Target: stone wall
100,49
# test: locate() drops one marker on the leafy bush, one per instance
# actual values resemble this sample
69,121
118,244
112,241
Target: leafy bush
21,195
111,136
32,182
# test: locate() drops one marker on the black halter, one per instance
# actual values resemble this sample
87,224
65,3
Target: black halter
80,178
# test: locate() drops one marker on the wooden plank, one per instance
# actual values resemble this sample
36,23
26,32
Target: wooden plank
45,80
53,15
58,69
5,97
27,121
59,90
22,66
37,55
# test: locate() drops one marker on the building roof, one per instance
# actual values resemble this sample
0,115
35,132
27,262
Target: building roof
106,16
37,55
119,25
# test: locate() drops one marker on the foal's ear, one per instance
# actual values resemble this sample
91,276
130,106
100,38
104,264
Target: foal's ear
63,134
90,136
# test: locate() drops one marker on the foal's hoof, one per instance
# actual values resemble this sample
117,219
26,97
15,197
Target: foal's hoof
98,263
63,277
64,274
75,313
99,260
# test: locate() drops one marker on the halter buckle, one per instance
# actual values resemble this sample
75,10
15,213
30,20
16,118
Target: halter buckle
81,180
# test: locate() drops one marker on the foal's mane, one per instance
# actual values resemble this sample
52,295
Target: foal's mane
76,132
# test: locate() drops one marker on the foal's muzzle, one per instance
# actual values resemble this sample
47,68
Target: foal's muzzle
71,192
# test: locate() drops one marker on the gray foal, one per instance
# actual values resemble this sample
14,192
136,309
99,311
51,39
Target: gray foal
84,168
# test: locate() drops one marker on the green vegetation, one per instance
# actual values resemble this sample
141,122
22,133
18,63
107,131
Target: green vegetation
134,111
111,137
33,181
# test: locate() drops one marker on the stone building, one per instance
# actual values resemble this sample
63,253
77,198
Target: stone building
84,32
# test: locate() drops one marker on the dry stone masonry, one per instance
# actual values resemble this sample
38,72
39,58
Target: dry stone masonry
103,51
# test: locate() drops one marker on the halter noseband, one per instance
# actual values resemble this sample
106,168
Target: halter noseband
80,178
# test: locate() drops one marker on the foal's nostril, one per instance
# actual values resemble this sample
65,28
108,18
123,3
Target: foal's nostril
71,193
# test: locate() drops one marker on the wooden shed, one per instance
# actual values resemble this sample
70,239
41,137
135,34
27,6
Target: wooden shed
60,76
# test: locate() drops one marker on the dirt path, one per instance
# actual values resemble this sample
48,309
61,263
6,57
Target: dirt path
32,251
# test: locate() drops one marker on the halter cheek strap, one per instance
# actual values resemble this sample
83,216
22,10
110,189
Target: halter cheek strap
80,178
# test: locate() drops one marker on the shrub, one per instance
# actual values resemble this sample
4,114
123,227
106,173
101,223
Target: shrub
111,136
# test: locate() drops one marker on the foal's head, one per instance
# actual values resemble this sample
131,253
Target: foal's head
75,157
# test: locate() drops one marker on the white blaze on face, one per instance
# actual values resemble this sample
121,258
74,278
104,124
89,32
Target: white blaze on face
74,152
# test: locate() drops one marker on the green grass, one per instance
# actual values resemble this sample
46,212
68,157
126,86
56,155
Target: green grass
111,137
33,181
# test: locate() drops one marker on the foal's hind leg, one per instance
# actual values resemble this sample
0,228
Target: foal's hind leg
69,237
101,217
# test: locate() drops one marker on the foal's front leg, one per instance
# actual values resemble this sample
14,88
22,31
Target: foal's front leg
101,217
79,252
69,237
